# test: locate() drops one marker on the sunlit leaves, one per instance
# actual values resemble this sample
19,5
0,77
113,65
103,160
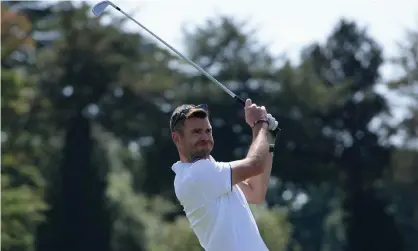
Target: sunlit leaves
16,37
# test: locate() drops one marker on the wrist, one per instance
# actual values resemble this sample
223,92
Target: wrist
263,122
259,126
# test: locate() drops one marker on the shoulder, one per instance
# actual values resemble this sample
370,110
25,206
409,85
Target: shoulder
207,166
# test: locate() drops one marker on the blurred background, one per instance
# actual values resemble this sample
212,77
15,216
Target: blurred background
86,101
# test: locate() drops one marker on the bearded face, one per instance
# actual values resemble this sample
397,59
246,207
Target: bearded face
196,140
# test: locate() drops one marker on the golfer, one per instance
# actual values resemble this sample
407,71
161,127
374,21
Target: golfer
215,195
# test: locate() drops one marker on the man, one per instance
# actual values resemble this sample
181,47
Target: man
215,195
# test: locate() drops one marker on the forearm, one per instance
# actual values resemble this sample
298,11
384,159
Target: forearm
259,149
259,184
255,188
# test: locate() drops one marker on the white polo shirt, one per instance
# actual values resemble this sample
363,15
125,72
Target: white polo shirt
218,213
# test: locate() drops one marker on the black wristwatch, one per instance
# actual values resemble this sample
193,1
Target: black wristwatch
271,148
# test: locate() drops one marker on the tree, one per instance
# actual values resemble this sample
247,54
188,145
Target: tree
273,226
403,180
350,55
275,229
135,219
39,14
15,39
85,73
25,144
21,182
98,134
328,105
407,85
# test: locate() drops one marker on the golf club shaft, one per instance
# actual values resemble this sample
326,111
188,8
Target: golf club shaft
214,80
101,6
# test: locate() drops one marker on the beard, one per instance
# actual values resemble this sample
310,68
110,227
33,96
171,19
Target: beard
201,153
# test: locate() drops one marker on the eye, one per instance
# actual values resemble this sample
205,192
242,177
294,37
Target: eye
209,130
197,131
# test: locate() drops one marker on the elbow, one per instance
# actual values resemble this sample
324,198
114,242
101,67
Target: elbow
257,166
257,201
258,195
261,196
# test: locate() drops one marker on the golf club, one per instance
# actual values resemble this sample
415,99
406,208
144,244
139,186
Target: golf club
100,7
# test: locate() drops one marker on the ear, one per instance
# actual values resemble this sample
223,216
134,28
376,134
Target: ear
175,137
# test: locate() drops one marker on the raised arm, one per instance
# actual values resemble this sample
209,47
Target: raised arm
255,162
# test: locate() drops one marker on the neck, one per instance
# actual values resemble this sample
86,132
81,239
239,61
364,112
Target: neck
184,158
187,159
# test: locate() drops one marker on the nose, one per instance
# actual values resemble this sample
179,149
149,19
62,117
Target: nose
206,136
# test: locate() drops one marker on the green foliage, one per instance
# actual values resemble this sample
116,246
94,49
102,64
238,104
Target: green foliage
22,184
274,226
130,213
138,221
175,236
25,146
21,209
407,85
85,128
402,184
15,37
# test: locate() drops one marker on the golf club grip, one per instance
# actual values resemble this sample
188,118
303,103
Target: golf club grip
242,102
239,100
276,131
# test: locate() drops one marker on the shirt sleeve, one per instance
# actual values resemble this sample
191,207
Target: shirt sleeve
212,179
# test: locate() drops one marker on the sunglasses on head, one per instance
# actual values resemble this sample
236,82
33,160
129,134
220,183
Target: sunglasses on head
187,112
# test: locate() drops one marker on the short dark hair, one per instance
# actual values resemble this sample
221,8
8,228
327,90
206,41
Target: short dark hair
185,111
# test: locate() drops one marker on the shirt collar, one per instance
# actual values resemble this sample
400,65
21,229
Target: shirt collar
180,164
